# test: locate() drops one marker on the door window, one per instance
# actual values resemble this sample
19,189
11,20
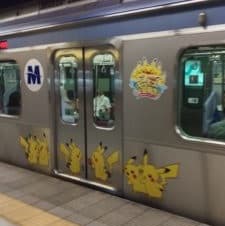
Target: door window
104,90
68,89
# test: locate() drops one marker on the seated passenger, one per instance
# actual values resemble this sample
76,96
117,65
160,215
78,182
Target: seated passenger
101,106
14,103
217,127
217,130
74,104
70,106
218,114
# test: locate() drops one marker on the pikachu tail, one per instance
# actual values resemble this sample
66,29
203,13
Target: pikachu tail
65,151
170,171
112,159
23,143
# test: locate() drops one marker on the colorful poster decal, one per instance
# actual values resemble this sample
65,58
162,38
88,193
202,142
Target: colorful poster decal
148,80
36,149
148,179
101,164
72,155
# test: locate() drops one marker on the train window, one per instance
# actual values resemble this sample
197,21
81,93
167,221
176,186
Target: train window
103,90
10,94
68,89
203,92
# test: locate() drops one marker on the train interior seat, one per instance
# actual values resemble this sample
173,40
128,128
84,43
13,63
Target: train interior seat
9,99
213,118
209,108
13,106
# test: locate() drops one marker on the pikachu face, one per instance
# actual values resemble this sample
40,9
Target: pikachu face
132,171
152,180
97,158
72,155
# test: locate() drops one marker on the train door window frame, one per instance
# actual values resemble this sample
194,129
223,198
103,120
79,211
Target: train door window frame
10,89
103,106
69,97
202,94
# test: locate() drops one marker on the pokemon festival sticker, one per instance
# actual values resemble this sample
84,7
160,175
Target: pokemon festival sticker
148,80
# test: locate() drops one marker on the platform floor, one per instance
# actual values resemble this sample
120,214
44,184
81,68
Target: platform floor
31,199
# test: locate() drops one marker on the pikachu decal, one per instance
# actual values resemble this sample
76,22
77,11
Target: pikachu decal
101,164
148,179
36,149
72,155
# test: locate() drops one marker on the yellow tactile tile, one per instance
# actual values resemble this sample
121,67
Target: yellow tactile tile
43,219
4,198
21,214
25,215
10,206
63,223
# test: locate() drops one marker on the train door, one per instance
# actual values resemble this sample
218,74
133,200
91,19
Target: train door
89,116
104,116
70,131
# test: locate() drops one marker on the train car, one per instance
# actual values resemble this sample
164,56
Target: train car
129,99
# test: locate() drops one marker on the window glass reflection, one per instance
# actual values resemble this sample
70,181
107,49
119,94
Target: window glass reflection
69,89
203,92
104,90
10,93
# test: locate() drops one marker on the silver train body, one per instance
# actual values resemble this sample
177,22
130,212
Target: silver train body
144,153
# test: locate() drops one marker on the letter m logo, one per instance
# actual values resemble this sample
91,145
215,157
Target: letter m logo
34,76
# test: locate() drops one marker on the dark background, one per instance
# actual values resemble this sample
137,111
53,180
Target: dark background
13,3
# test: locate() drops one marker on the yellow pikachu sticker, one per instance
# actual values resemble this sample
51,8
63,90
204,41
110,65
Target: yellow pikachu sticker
101,164
72,155
43,152
148,179
36,150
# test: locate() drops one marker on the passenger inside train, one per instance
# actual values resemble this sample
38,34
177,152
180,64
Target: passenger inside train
13,105
73,104
69,89
102,106
103,90
217,126
69,106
